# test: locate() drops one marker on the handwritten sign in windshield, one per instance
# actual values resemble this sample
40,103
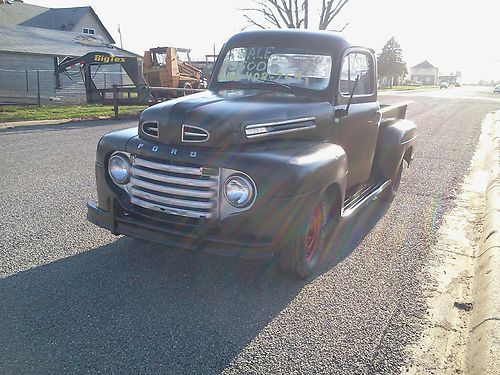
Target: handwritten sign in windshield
257,64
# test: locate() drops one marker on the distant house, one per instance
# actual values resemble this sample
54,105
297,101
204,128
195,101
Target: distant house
81,19
424,73
34,39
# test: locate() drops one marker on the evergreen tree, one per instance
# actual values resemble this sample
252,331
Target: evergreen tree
390,61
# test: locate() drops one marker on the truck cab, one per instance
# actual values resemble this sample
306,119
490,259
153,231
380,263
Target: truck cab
288,140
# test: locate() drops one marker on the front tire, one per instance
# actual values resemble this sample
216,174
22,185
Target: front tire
302,255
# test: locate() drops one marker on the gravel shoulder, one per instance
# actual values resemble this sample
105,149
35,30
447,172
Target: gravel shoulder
484,343
449,291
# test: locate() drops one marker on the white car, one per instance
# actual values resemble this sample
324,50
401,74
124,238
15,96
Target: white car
496,89
444,85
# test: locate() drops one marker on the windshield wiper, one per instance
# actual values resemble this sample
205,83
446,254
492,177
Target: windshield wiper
289,88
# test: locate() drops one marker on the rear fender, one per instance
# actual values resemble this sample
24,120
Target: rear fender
395,142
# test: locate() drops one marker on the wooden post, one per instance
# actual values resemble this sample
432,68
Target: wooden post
27,83
115,99
38,83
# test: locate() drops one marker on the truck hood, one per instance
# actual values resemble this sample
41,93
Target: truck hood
217,119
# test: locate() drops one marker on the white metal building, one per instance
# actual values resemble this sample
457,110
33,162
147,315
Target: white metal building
28,58
32,38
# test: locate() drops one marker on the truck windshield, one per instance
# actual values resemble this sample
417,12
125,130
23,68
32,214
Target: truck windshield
285,66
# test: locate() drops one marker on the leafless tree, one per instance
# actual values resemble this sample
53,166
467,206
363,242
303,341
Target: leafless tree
291,14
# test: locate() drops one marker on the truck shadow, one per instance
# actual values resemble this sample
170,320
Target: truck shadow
130,307
351,232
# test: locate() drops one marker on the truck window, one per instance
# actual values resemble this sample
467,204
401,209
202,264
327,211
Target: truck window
290,66
357,64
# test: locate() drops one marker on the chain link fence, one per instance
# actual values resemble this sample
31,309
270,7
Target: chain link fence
38,87
25,87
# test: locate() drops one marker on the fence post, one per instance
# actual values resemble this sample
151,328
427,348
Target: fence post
27,83
115,100
38,83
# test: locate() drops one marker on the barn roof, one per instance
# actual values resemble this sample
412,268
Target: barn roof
22,14
424,65
19,12
22,39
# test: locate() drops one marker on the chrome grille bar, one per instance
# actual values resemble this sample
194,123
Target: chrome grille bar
167,168
174,180
172,201
174,189
169,210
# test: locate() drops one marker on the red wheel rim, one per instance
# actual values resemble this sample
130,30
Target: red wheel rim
313,233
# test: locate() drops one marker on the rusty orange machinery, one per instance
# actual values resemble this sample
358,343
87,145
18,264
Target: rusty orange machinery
162,68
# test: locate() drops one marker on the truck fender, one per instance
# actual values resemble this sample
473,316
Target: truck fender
336,187
395,142
323,174
116,141
324,167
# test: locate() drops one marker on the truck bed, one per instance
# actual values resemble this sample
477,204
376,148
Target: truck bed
392,112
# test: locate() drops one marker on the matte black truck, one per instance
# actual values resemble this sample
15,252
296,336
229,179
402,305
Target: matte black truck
288,140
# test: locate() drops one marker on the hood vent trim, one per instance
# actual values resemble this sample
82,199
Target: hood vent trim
280,127
150,128
194,134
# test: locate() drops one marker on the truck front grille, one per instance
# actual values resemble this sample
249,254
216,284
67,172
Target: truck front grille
174,189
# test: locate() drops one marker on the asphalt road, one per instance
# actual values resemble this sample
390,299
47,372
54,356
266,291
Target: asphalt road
75,299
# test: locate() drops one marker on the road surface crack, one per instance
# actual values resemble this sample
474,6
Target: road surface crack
382,336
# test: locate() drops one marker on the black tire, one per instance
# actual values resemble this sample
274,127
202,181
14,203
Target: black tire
395,182
187,89
303,253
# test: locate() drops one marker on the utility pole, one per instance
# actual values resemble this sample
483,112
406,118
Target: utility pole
121,40
121,69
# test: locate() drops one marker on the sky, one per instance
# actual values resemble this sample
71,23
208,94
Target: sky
453,35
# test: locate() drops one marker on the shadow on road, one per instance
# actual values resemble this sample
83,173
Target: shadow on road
351,232
131,307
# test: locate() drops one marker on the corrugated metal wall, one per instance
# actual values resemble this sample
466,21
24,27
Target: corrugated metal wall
19,80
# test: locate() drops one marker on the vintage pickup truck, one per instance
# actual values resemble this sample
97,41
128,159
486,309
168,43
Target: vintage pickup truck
288,140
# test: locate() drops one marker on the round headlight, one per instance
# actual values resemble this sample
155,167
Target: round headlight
119,169
239,191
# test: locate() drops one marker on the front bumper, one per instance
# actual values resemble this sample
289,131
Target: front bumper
200,237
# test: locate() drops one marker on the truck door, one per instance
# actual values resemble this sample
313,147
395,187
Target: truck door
359,128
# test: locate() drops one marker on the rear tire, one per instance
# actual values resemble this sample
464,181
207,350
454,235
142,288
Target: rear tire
302,255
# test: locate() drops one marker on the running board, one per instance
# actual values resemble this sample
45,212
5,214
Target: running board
362,197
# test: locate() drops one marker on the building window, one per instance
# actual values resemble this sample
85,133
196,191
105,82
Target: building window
89,31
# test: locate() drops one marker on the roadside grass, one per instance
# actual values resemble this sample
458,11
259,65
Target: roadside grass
407,88
73,112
